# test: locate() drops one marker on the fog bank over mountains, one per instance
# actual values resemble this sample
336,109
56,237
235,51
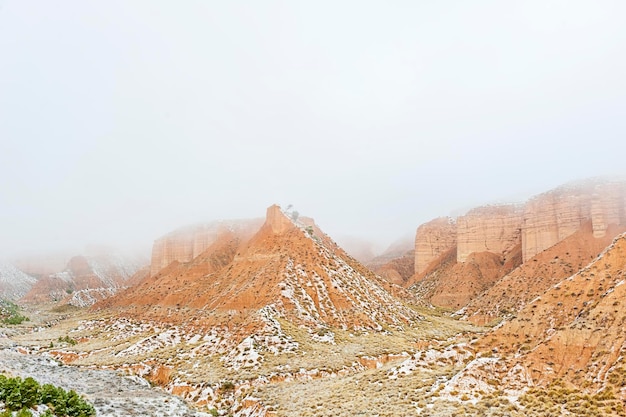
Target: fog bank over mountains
123,121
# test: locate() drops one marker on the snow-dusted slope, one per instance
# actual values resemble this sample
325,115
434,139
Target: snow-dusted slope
13,282
91,276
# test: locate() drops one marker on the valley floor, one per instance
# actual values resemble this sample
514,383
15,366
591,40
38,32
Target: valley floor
128,368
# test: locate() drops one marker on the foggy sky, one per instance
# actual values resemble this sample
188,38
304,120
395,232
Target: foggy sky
122,120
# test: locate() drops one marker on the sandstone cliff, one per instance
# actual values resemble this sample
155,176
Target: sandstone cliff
557,214
534,277
184,244
433,239
494,229
515,234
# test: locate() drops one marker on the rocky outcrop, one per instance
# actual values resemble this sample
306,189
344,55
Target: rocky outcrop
608,207
185,244
289,267
539,224
432,239
551,217
516,234
533,278
494,229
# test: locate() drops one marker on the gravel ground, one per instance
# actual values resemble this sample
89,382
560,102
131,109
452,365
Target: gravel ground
111,394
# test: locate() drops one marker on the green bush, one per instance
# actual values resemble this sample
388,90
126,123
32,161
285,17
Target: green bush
67,339
10,313
19,395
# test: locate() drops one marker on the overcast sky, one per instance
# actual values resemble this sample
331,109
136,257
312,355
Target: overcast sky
122,120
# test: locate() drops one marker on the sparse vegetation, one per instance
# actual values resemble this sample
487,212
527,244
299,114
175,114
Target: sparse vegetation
10,313
67,339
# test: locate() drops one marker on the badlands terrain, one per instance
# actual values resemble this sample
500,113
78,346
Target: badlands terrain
508,310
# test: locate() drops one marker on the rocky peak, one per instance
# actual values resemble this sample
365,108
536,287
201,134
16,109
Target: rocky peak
277,220
288,266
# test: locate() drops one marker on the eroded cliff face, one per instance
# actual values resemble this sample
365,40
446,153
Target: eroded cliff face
432,239
608,207
542,222
185,244
494,229
553,216
515,234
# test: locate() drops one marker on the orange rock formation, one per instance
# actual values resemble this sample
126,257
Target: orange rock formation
396,264
432,239
515,234
494,229
289,266
533,278
557,214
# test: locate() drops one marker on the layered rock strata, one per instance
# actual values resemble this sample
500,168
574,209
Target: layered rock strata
185,244
494,229
551,217
432,239
542,222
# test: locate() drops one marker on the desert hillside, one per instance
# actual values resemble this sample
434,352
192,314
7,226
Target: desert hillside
289,266
474,259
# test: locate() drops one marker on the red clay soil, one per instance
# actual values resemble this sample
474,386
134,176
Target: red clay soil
535,276
450,284
574,330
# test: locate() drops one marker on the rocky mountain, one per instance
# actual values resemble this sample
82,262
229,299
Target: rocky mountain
86,279
14,283
493,229
490,242
289,267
